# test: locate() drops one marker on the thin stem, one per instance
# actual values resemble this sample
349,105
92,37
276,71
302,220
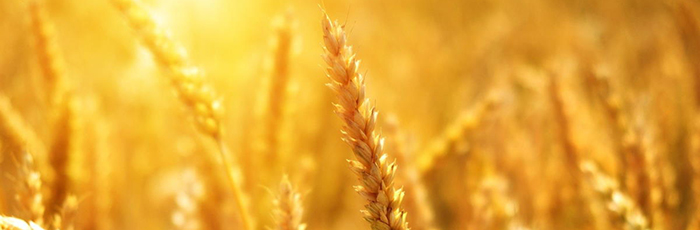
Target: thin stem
237,191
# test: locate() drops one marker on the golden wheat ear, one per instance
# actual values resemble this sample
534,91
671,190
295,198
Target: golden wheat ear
376,174
189,82
289,210
619,203
29,194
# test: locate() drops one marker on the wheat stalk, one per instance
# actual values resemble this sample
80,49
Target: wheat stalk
11,223
289,210
376,175
188,81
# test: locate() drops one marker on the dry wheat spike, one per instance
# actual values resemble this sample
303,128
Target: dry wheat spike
376,174
289,209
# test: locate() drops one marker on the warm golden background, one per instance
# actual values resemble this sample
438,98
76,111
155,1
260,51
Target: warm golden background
491,105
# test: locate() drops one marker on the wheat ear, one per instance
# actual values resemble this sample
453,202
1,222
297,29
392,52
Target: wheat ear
64,218
454,133
188,81
29,195
16,133
421,208
289,210
50,61
359,118
11,223
51,64
278,84
571,153
619,202
635,157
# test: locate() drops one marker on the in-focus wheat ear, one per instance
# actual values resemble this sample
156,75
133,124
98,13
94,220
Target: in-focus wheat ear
383,210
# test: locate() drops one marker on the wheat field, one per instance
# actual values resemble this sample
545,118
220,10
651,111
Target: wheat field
382,115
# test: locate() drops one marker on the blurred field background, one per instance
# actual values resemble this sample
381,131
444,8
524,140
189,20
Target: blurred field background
487,101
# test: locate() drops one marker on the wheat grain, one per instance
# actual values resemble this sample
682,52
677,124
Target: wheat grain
188,81
289,210
376,174
11,223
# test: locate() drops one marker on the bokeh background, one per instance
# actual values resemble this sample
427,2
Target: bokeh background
430,66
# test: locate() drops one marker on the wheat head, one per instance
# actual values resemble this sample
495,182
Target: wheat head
188,81
454,133
278,84
289,210
359,118
618,202
421,208
49,57
17,134
29,195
